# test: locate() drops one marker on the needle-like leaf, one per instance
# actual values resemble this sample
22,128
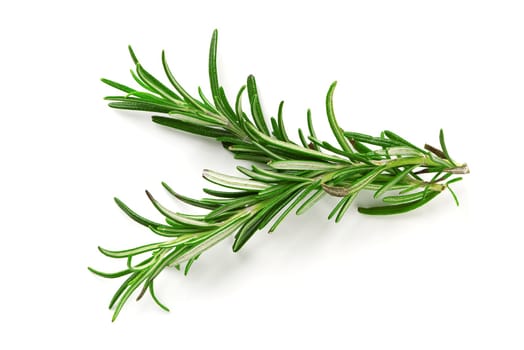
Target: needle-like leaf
337,131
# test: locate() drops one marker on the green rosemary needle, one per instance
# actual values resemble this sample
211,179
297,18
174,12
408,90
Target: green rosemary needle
285,176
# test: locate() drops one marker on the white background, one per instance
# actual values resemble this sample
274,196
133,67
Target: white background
439,278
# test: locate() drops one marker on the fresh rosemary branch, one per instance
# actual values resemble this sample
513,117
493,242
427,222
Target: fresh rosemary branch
285,176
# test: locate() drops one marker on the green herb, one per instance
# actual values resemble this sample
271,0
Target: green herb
286,176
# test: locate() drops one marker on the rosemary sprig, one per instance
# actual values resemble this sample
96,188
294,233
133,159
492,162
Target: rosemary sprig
286,176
